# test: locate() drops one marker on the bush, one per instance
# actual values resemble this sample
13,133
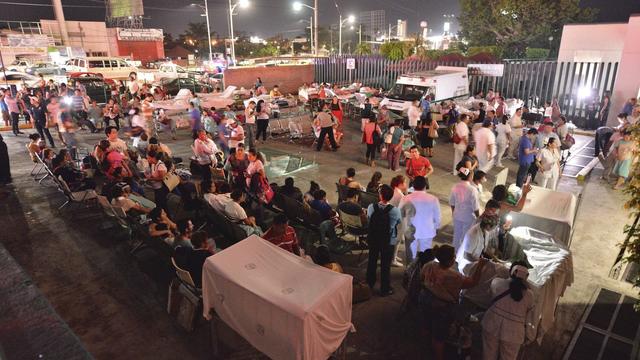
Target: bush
536,53
494,51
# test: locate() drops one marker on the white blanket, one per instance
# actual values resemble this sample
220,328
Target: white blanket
551,274
283,305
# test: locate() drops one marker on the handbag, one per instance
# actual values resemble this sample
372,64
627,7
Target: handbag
171,180
433,132
388,137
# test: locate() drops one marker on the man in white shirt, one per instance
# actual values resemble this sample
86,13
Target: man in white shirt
517,126
237,134
250,123
115,143
479,239
399,186
485,141
420,219
461,129
234,211
218,198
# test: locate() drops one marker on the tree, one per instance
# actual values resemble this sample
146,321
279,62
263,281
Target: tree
630,248
396,50
515,25
363,49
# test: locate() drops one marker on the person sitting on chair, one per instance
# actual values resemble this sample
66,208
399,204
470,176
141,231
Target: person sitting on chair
192,259
351,206
283,235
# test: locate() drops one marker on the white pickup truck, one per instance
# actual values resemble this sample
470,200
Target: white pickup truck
445,82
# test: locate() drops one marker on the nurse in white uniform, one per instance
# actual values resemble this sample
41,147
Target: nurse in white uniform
479,239
465,206
505,324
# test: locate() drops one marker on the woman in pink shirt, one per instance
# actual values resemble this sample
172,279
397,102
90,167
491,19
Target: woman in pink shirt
371,136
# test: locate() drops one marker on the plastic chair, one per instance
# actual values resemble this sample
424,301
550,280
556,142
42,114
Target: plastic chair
352,225
75,197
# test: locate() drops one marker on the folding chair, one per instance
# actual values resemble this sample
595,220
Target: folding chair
352,225
185,289
74,197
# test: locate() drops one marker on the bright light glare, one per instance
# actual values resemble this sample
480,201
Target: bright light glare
297,6
351,27
67,100
351,18
584,92
243,3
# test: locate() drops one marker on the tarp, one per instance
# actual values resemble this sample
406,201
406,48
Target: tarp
285,306
551,274
548,211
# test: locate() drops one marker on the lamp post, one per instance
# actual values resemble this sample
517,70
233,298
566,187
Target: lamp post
297,6
206,14
232,7
349,19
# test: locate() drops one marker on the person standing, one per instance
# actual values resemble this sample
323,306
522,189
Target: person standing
428,134
205,151
371,136
336,110
195,118
485,146
548,163
460,139
236,135
326,122
418,165
5,110
262,119
394,148
414,113
5,164
384,219
526,154
155,174
624,149
39,112
421,219
505,323
250,123
399,186
465,206
503,139
14,111
516,132
79,111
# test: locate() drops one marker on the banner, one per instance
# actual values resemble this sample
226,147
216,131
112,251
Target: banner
485,69
139,34
22,40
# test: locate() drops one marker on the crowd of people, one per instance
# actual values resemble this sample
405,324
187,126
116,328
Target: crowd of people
141,176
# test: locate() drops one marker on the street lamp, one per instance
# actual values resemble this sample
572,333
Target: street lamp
206,14
350,20
297,6
232,7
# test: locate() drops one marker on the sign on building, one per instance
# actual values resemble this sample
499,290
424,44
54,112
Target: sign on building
139,34
25,40
485,69
351,64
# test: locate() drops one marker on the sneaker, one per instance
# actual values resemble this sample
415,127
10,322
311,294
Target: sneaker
396,264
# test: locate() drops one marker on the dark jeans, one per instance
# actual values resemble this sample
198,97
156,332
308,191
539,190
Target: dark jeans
371,152
533,171
523,170
262,125
602,143
160,197
324,132
42,130
108,120
15,117
386,253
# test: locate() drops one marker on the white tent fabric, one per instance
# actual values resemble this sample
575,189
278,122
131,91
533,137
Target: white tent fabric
283,305
548,211
551,274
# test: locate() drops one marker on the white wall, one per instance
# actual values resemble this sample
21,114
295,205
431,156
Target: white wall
628,79
592,42
90,35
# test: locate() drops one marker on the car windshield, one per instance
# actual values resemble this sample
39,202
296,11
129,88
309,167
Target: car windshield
407,92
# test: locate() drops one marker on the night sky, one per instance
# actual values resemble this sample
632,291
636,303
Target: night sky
269,17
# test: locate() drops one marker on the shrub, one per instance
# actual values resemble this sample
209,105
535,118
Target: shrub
536,53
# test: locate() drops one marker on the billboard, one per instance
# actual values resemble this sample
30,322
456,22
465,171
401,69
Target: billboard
124,34
124,8
485,69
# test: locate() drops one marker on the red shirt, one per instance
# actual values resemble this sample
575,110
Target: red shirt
417,167
287,241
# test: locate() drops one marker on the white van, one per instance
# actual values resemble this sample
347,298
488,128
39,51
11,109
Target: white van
445,82
109,67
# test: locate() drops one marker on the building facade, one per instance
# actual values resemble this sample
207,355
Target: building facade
373,24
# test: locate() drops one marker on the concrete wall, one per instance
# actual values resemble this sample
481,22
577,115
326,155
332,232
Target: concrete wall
289,77
592,42
628,78
90,35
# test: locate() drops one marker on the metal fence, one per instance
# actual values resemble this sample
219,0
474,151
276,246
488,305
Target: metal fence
578,86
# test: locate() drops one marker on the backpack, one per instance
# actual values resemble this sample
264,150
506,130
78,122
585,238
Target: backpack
380,225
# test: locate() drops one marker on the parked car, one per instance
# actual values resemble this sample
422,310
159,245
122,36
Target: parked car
174,85
172,71
45,69
19,65
75,75
110,67
19,79
96,87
